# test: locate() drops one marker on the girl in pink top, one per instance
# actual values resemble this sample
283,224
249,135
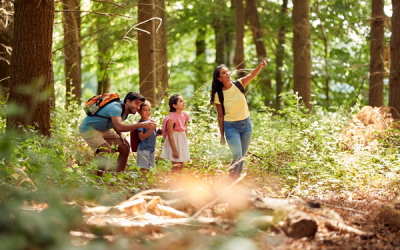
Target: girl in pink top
176,147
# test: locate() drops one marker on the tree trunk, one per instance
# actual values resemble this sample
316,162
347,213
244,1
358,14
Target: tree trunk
31,60
238,60
5,58
301,51
325,40
376,65
6,29
161,52
72,49
147,75
258,36
280,53
256,29
230,29
104,46
394,81
200,57
224,33
219,42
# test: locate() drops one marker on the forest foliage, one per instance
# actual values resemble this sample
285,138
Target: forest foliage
345,25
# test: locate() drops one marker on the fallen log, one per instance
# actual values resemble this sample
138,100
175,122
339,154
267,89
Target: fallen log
299,224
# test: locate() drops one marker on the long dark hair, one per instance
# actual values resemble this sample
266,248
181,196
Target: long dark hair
173,100
216,84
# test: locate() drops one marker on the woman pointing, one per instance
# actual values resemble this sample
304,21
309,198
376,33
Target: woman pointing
233,113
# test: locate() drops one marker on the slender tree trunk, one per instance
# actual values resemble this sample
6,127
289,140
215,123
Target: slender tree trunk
104,46
147,74
256,29
31,60
224,32
376,66
394,81
238,60
161,52
230,33
219,42
5,59
200,57
6,29
325,40
301,51
258,36
71,22
280,53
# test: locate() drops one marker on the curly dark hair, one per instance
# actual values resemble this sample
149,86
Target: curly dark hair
173,100
216,84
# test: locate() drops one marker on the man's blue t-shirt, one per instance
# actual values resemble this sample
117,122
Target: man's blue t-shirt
102,123
150,142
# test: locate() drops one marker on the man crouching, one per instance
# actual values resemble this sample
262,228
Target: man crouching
96,130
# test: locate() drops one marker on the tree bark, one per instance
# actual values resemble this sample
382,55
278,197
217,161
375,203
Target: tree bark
238,60
104,45
258,36
394,81
72,50
325,40
6,29
220,43
161,52
147,74
280,53
200,57
224,32
256,29
376,66
301,51
32,70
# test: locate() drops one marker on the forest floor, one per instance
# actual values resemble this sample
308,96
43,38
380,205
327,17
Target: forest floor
358,209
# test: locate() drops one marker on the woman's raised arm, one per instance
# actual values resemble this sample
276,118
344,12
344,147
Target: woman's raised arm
247,79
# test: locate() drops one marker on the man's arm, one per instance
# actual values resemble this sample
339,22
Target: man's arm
121,127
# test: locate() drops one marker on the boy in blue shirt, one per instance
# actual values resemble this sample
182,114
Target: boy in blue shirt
147,140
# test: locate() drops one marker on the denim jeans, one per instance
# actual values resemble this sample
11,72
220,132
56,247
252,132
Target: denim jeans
238,136
145,159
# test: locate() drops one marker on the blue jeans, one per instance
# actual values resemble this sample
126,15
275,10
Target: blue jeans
238,136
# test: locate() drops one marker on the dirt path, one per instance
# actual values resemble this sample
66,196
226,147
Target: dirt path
358,209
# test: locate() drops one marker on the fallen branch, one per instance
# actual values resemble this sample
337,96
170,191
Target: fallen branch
343,228
136,196
345,208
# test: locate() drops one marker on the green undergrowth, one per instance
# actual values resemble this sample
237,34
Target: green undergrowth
302,149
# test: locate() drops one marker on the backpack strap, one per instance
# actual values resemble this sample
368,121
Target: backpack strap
123,108
221,94
239,86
